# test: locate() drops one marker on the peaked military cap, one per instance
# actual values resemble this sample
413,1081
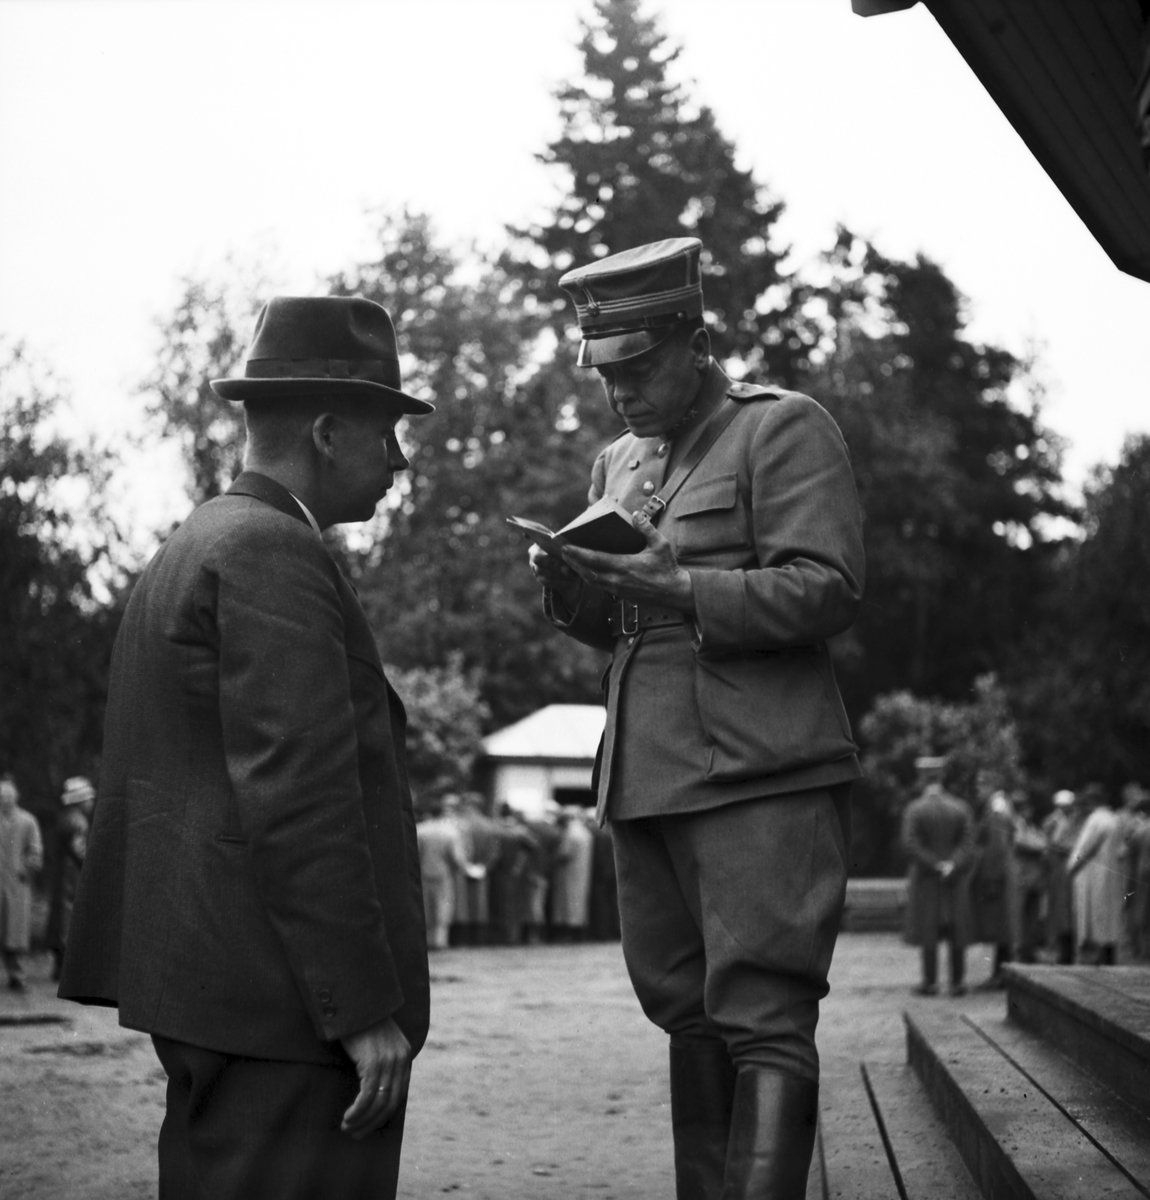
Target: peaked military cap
629,302
322,345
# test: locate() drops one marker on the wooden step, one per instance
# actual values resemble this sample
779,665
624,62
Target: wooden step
874,905
879,1138
1029,1124
1097,1016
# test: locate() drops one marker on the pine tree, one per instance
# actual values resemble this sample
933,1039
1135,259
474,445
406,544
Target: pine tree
643,163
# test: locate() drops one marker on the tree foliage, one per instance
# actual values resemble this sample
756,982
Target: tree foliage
61,585
640,162
204,339
513,433
958,478
1083,682
445,722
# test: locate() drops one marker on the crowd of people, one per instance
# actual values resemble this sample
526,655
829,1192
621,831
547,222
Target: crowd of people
512,879
22,860
1073,887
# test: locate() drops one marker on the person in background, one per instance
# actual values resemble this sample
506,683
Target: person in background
1061,829
1095,867
992,879
1030,879
938,838
441,856
1129,819
1140,850
481,838
71,838
571,880
21,856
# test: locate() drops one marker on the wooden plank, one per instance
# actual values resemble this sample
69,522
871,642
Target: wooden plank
1014,1141
1102,1115
855,1161
928,1161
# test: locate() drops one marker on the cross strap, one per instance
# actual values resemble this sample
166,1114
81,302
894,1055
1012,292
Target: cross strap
708,434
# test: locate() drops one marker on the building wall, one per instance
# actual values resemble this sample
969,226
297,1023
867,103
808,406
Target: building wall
529,787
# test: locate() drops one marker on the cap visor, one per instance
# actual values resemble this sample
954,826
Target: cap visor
240,390
618,347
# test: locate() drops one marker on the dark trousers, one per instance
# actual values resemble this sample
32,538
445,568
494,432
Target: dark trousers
957,961
729,922
248,1129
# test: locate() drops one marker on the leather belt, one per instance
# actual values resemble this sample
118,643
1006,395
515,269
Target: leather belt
626,619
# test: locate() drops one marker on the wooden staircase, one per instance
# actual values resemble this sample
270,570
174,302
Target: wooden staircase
1048,1101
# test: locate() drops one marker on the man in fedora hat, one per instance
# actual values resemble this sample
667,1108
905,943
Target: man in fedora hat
250,895
726,762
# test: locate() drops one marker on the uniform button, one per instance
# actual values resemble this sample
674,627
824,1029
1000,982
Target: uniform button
662,451
648,488
630,641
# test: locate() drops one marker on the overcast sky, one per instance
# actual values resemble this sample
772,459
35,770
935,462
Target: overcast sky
144,139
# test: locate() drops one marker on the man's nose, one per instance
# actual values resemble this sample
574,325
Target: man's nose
396,459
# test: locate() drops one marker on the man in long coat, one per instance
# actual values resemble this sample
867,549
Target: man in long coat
1096,869
21,856
727,760
938,838
1061,828
251,895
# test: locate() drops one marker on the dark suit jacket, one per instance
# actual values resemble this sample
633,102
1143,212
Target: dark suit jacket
252,880
741,700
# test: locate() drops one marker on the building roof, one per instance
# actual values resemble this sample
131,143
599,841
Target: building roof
559,732
1071,78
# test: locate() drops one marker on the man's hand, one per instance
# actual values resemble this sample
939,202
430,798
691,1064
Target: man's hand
653,576
382,1057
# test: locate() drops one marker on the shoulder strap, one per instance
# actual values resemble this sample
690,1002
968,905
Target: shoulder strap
708,434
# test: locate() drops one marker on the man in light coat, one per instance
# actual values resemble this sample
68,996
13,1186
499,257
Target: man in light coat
727,761
250,895
21,856
1096,868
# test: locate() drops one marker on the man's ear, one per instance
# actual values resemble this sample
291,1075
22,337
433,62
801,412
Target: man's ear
323,435
700,345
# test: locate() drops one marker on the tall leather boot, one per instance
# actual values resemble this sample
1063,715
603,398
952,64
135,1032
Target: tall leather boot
702,1086
773,1127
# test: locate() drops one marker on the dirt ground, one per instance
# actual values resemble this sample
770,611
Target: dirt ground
541,1078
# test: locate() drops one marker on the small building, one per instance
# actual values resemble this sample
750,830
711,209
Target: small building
546,758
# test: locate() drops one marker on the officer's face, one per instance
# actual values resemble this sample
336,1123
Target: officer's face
367,455
653,392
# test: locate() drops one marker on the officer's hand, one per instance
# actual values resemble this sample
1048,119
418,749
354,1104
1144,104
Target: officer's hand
652,576
382,1057
550,570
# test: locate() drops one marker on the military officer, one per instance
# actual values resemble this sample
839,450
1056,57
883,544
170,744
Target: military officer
727,759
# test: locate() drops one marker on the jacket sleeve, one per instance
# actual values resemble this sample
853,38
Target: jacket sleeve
807,531
292,758
587,621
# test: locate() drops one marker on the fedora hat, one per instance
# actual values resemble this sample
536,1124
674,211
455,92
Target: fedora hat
322,345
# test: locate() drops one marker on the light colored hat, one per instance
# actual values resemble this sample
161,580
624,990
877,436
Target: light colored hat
1063,799
77,790
929,762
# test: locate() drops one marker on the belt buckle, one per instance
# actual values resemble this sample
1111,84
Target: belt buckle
623,606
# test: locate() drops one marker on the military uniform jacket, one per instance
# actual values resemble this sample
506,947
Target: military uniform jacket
252,878
740,699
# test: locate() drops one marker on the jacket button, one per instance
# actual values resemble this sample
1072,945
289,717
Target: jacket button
648,488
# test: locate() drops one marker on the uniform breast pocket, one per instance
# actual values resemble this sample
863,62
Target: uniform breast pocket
708,517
